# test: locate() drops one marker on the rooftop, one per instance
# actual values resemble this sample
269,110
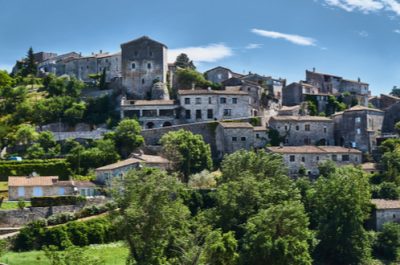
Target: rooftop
311,149
146,159
259,129
358,108
156,102
234,125
301,118
27,181
386,204
369,166
210,92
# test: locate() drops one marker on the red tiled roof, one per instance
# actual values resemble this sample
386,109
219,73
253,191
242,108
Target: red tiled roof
311,149
386,204
24,181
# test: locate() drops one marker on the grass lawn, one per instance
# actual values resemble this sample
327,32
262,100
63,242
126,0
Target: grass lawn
7,205
113,254
3,185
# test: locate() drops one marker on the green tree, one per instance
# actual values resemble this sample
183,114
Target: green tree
390,162
75,113
153,218
103,78
387,245
278,235
395,91
187,77
388,191
188,151
5,79
71,256
342,204
29,65
127,137
397,127
25,134
221,248
183,61
3,247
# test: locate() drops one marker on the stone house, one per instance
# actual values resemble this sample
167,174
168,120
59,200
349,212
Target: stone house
105,174
309,157
234,136
383,101
219,74
205,104
37,186
385,211
392,116
358,127
331,84
371,168
304,130
151,113
144,62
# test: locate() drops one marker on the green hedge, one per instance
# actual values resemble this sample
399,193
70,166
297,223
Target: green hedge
80,233
56,201
45,167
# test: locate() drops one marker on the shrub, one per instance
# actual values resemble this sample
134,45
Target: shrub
388,242
78,233
61,218
57,201
21,204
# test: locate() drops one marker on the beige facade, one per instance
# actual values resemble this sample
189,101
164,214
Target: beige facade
385,211
310,157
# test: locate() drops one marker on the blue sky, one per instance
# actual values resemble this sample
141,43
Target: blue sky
282,38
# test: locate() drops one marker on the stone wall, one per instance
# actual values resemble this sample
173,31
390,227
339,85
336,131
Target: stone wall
383,216
14,218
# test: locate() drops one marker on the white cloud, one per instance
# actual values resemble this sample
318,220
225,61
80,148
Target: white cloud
208,54
252,46
366,6
396,31
363,33
296,39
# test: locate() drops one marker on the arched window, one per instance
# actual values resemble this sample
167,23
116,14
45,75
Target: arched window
150,125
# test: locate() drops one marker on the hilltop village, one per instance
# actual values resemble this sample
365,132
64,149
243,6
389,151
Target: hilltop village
226,155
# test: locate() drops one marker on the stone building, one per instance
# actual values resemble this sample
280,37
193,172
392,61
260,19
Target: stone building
144,62
234,136
304,130
54,65
392,116
385,211
105,174
296,93
331,84
309,157
220,74
27,187
383,101
151,113
206,104
358,127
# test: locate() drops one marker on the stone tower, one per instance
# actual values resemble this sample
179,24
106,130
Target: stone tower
144,63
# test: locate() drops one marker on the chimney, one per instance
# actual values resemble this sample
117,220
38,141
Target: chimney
101,51
313,69
209,88
359,80
193,85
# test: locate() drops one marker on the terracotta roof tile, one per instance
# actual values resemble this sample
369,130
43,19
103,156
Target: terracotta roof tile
24,181
301,118
210,92
311,149
145,159
233,125
386,204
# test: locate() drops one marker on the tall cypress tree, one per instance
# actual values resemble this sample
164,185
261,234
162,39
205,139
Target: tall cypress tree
30,66
102,82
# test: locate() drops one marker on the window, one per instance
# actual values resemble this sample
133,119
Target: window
286,141
307,127
198,114
187,114
358,119
198,100
234,139
234,100
149,66
151,54
292,158
222,100
37,191
61,191
187,101
286,127
303,159
325,129
243,139
21,191
345,158
227,112
297,127
136,53
210,114
257,135
317,158
358,130
307,141
209,100
142,81
334,157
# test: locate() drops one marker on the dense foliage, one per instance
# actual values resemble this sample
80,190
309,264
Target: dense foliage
44,201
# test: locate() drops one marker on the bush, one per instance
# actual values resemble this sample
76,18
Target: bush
61,218
49,167
388,242
92,210
57,201
94,231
